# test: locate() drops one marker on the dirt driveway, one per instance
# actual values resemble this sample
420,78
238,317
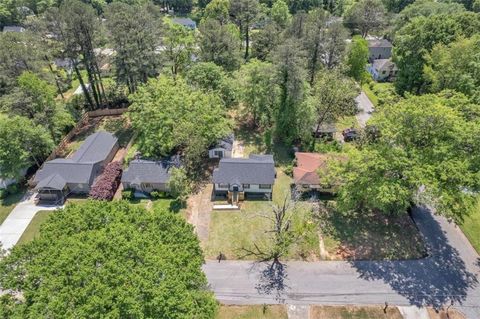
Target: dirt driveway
199,207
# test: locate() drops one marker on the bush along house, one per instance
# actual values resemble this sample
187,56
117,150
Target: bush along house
240,178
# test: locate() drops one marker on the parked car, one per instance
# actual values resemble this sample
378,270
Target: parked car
350,134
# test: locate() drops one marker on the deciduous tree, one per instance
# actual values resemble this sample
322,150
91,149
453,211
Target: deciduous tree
220,44
357,58
366,16
424,155
168,114
179,43
258,91
22,143
142,264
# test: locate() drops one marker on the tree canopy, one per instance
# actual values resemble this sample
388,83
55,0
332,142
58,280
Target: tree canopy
22,143
169,114
424,156
109,259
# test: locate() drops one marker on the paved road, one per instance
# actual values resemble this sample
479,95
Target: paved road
17,221
450,273
365,107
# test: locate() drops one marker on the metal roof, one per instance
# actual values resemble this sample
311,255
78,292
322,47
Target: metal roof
257,169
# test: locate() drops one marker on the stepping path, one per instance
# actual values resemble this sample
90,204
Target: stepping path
18,220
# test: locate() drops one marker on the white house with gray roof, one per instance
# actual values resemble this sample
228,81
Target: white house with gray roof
383,70
223,148
74,175
239,177
147,176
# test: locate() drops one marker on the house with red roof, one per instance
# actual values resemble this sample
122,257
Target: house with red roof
305,172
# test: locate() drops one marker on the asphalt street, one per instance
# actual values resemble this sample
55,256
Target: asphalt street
449,274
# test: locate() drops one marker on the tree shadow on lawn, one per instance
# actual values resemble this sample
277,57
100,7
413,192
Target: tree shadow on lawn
437,280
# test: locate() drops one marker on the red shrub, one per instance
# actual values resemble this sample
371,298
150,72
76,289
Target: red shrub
107,183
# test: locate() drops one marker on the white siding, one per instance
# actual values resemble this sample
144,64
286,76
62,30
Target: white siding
226,153
254,188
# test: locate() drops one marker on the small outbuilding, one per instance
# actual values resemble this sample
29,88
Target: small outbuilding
223,148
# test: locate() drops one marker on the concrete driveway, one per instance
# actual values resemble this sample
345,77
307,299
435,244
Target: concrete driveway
17,221
449,274
365,107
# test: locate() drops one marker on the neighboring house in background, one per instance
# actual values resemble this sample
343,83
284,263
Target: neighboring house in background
379,49
307,167
62,176
240,177
223,148
13,28
186,22
147,176
383,70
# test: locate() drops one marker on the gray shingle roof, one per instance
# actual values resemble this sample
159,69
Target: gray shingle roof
53,181
144,171
379,43
70,171
257,169
95,148
226,142
80,167
381,64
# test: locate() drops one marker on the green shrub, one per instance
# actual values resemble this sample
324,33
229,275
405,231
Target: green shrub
3,193
157,194
328,147
288,170
128,194
12,189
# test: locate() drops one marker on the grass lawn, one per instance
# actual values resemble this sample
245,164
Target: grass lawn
370,94
353,312
346,122
33,229
471,226
252,312
8,204
232,230
371,237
